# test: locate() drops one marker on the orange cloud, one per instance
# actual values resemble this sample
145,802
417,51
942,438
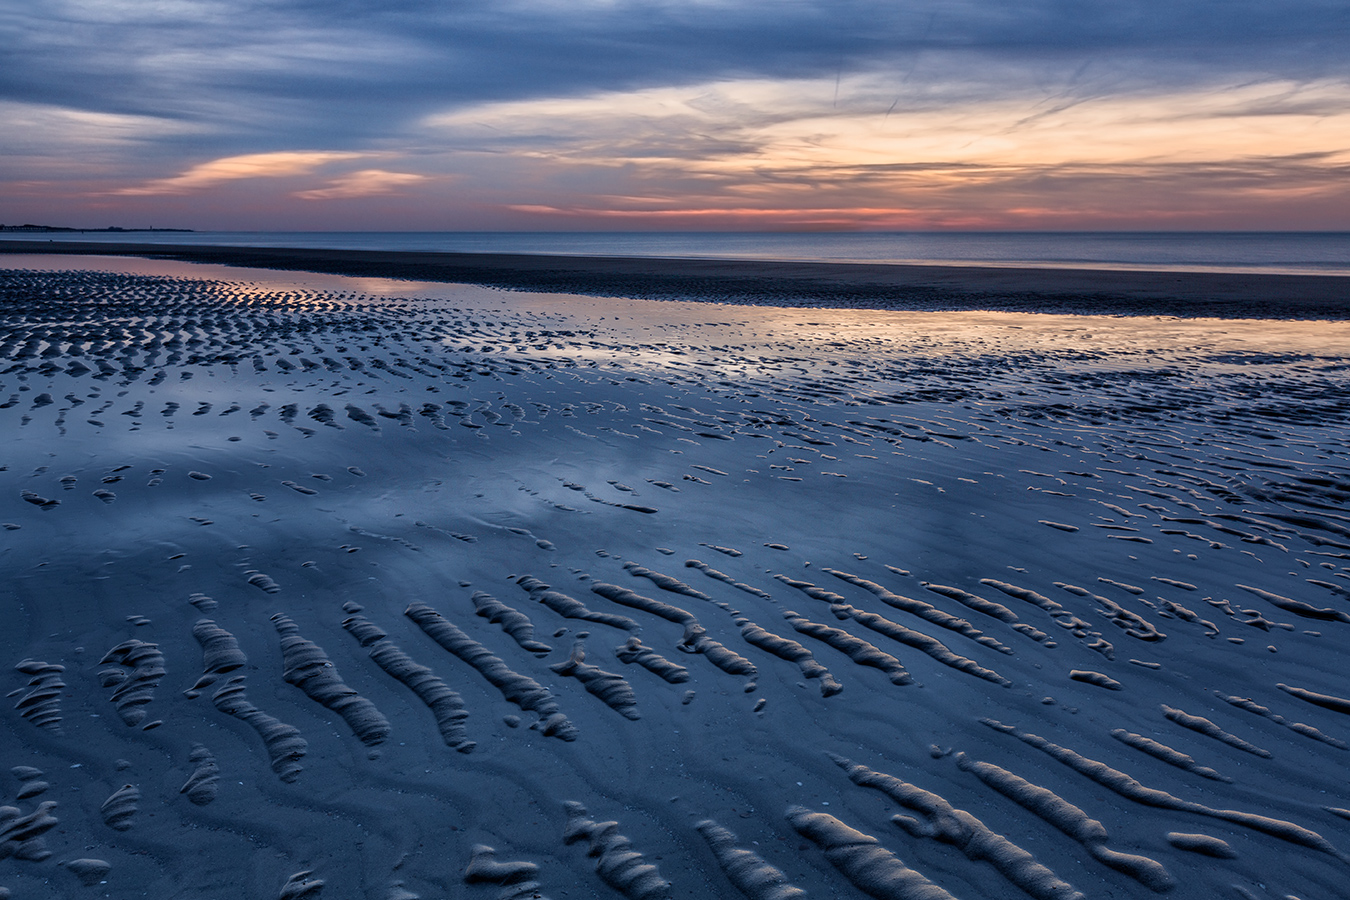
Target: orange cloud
365,183
233,168
865,153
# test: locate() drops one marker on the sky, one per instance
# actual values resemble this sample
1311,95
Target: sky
759,115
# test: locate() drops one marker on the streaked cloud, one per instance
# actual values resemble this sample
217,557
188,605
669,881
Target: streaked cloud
365,183
789,154
805,123
234,168
944,111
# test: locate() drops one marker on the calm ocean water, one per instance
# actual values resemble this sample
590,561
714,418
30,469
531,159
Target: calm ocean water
1325,253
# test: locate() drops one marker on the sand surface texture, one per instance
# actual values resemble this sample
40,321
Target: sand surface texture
344,588
784,283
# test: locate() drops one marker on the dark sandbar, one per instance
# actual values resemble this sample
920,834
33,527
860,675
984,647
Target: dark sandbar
797,284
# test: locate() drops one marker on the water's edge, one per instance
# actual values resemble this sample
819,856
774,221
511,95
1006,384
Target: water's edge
1286,253
788,284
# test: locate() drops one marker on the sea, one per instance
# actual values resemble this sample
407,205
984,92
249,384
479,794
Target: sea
1307,253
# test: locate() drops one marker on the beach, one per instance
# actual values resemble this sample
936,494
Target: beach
790,283
352,574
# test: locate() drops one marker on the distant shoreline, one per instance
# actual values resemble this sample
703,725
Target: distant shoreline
793,284
111,229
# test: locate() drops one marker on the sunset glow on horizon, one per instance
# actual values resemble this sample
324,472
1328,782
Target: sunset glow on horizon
653,116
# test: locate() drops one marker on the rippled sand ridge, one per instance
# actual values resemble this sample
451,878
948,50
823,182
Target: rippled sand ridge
334,587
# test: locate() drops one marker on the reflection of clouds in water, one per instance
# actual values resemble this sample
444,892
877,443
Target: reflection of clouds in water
637,325
391,286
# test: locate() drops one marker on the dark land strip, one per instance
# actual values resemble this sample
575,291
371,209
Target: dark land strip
795,284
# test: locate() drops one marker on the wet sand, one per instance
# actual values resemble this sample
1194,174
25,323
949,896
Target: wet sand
320,586
799,284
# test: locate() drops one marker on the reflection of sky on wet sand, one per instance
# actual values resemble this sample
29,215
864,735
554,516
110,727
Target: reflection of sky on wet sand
641,322
262,279
487,435
863,352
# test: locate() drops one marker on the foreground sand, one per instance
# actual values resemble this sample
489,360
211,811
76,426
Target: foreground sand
313,585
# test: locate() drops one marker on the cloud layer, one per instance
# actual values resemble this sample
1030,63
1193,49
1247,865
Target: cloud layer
707,114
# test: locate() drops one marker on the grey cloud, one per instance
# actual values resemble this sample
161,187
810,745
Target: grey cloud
266,75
